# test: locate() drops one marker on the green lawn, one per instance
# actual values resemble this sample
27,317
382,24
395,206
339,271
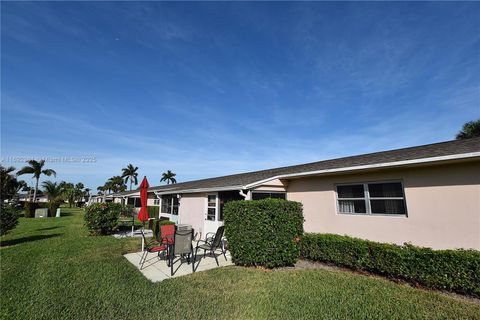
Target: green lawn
51,269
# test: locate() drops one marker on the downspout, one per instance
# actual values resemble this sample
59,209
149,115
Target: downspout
160,203
246,196
179,197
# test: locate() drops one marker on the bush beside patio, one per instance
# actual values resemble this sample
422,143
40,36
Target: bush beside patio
454,270
103,218
264,232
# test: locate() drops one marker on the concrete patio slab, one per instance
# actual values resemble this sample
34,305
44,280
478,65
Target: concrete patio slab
136,234
155,269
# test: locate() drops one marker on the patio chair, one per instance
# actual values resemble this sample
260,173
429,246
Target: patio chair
211,244
181,247
167,233
151,247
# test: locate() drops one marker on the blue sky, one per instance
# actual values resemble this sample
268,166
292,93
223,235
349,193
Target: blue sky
207,89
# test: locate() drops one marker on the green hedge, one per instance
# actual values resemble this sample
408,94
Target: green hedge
453,270
153,211
102,218
157,232
263,232
30,208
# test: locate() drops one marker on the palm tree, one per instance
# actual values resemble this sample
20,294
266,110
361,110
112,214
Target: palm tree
36,168
52,189
71,194
8,182
20,185
116,184
102,191
469,130
169,177
87,193
130,173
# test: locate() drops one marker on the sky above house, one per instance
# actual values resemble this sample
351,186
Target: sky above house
215,88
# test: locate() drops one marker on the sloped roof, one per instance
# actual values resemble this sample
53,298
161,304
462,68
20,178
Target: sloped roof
123,193
442,149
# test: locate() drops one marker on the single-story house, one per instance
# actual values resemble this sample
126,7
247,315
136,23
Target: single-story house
132,198
28,197
426,195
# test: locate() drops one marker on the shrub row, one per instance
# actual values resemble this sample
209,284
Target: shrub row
453,270
263,232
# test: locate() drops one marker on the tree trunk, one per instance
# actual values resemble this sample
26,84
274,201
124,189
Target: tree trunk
130,184
35,192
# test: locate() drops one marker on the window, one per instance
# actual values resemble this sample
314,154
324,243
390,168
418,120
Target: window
211,207
134,202
264,195
372,198
224,197
156,202
170,204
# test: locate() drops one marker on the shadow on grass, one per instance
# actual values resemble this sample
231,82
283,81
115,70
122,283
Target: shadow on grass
65,213
13,242
49,228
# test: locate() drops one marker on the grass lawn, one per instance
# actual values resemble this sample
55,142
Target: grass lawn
51,269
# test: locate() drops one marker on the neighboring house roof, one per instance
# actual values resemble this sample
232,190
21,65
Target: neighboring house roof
442,151
122,194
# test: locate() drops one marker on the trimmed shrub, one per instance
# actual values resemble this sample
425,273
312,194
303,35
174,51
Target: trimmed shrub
157,232
30,208
453,270
102,218
8,218
264,232
153,211
53,205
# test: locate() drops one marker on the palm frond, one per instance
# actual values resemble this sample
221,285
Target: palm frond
49,172
25,170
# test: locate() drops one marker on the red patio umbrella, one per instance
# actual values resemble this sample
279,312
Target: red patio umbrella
143,213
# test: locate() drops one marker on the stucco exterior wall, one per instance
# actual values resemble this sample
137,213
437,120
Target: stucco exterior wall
192,210
274,185
443,205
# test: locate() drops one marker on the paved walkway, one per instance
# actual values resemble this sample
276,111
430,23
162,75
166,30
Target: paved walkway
155,269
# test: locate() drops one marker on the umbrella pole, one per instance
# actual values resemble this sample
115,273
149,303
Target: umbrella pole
143,231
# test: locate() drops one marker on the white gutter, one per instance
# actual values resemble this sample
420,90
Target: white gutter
364,167
199,190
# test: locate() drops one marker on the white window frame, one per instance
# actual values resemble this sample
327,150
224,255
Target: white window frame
367,198
216,207
268,191
170,213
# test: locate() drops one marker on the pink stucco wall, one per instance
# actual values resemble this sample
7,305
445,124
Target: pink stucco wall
443,204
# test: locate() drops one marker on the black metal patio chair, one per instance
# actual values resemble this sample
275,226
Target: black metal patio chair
181,247
153,246
211,244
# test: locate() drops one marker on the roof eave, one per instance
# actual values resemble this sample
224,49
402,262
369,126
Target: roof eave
199,190
366,167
